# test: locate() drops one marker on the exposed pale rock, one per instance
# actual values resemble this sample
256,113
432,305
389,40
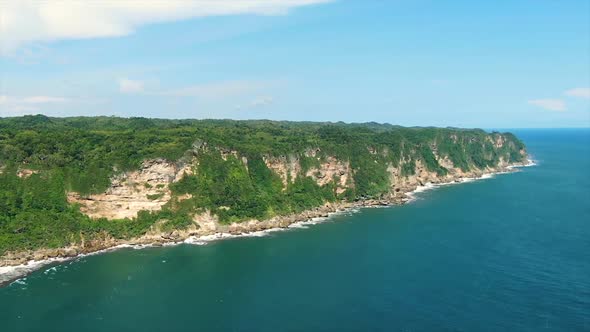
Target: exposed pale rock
330,170
130,192
286,167
312,152
25,172
225,153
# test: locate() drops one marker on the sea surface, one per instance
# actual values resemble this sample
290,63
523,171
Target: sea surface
510,253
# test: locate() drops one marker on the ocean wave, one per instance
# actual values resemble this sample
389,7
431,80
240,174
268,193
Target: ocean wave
205,239
298,225
50,270
8,273
530,163
21,281
411,196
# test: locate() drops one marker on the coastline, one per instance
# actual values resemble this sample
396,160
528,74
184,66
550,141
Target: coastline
11,272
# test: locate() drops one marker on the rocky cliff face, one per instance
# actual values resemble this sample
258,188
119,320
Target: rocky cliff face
221,176
131,192
148,187
332,170
287,168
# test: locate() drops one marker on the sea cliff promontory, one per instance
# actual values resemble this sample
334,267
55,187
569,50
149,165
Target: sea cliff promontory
70,186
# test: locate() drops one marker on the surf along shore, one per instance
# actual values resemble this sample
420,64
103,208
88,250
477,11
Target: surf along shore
16,265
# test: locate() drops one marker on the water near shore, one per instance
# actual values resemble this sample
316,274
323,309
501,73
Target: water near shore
507,253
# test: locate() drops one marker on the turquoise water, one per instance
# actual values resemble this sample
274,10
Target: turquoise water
510,253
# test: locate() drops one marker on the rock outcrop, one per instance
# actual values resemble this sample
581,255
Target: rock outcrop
131,192
159,173
332,170
287,168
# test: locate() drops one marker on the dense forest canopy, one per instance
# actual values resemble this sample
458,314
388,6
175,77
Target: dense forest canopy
81,154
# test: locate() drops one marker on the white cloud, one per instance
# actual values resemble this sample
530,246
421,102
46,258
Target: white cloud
43,100
217,90
262,101
10,105
549,104
17,110
130,86
27,21
578,92
32,100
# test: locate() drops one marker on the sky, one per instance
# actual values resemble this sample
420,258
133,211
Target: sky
489,64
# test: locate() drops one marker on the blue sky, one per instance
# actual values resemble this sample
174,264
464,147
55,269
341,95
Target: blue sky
505,63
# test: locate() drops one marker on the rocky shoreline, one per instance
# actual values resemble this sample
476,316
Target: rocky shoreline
15,265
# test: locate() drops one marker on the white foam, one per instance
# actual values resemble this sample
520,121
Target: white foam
530,163
21,281
298,225
11,272
205,239
51,269
411,196
194,240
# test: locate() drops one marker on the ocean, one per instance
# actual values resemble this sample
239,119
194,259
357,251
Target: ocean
508,253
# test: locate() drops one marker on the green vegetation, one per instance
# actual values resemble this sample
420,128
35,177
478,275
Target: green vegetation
82,154
155,196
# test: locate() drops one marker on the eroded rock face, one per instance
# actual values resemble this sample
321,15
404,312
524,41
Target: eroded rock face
444,161
498,141
406,183
128,195
284,166
331,170
208,224
25,172
148,188
225,153
144,189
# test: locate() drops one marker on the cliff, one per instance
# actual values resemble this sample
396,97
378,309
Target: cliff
140,181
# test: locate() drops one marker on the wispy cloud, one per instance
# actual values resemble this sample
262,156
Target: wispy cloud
261,101
130,86
43,100
549,104
10,105
217,90
578,92
4,99
28,21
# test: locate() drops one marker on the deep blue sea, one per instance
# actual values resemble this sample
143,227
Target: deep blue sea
511,253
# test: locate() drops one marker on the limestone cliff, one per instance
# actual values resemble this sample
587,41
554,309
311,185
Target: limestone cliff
144,189
148,188
62,183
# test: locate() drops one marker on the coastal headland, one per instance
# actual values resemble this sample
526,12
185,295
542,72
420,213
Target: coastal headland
144,182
